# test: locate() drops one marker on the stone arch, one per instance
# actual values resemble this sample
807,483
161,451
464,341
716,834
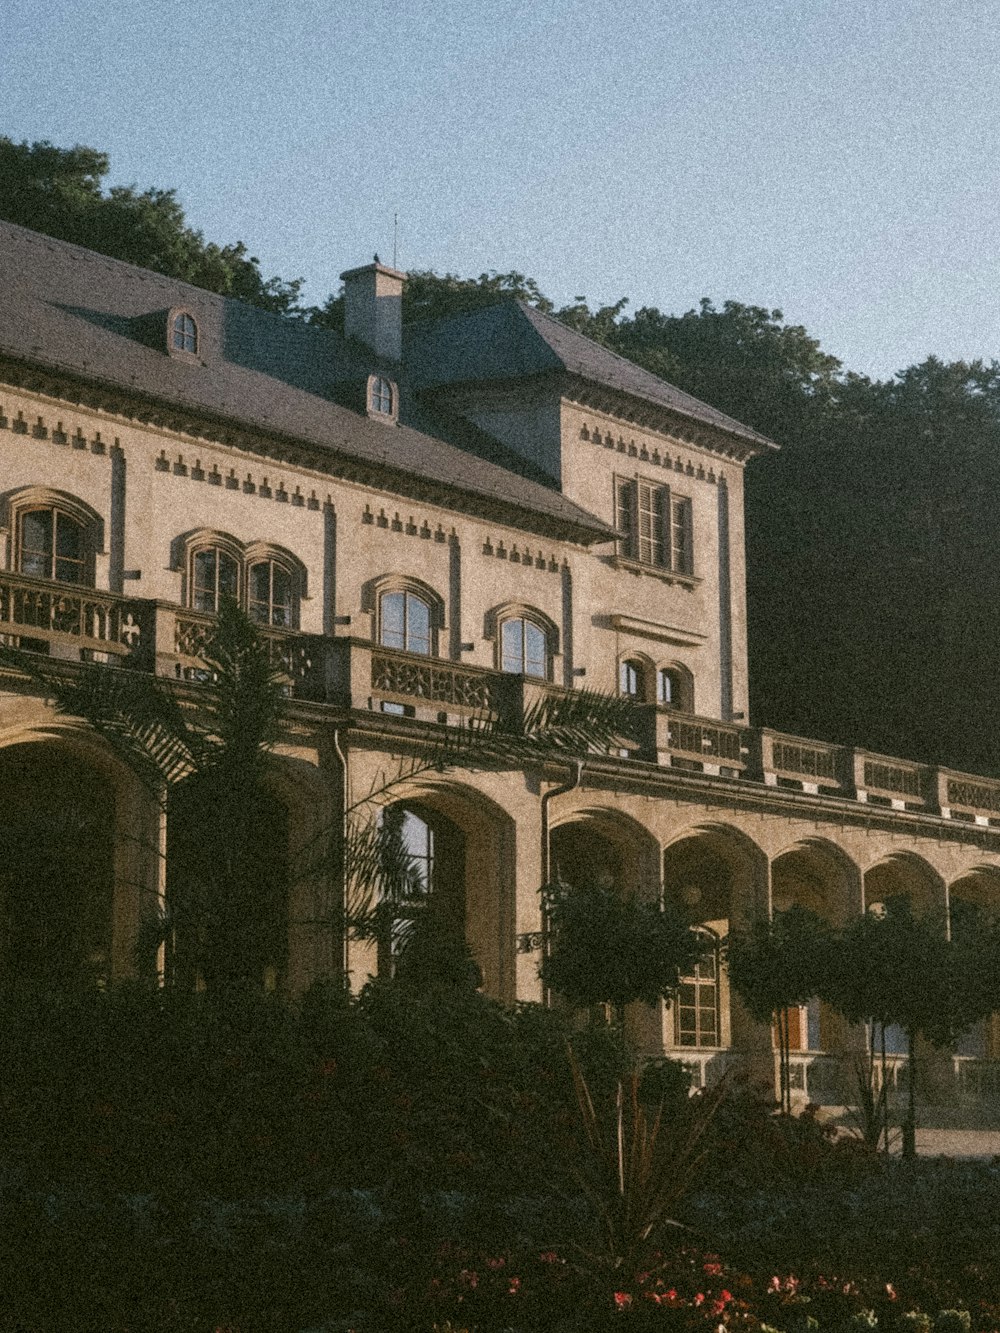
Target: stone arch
909,875
84,849
820,875
974,904
475,842
606,846
817,874
719,879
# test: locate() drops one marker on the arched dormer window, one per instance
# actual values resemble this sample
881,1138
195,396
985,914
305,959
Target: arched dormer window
54,535
381,396
183,333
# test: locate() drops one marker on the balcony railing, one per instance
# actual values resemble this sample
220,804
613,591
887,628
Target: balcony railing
65,621
85,624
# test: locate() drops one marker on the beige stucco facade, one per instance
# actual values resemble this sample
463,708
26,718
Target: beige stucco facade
729,820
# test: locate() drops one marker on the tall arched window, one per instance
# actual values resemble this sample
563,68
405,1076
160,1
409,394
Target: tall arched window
524,647
405,622
271,594
215,574
52,545
184,334
631,679
380,396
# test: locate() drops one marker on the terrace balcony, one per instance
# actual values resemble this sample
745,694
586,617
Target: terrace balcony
75,624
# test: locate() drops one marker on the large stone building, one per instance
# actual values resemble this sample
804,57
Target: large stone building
414,515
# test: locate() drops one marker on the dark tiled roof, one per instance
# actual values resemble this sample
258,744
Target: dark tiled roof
104,321
514,339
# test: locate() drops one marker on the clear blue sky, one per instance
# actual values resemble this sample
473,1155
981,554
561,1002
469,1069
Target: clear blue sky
834,158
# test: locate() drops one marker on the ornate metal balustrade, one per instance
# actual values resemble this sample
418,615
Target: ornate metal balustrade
66,621
973,796
406,676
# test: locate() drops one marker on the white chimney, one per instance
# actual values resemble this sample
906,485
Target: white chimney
373,308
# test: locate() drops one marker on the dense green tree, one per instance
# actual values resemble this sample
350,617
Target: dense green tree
60,191
776,964
610,947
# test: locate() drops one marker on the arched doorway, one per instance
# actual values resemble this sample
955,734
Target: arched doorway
974,907
818,876
603,849
56,868
718,878
227,889
461,844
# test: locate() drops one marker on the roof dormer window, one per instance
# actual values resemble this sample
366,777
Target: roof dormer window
381,397
185,334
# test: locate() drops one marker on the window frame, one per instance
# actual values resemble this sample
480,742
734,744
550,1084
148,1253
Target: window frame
177,315
697,981
246,557
61,505
526,621
377,387
409,595
655,525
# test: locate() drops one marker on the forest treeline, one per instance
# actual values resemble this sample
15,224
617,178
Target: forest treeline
872,537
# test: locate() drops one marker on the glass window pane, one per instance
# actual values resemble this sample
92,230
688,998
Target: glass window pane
534,650
512,645
36,543
281,597
666,692
629,677
393,630
418,625
260,582
69,538
229,576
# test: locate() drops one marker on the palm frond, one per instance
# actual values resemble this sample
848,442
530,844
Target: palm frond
141,721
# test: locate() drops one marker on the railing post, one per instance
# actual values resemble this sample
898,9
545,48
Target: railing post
856,763
760,758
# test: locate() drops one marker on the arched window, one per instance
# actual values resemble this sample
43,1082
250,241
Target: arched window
632,679
405,622
524,647
380,396
272,594
215,574
52,545
184,334
675,688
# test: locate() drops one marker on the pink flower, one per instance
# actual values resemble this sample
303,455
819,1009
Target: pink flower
623,1300
700,1298
713,1270
515,1286
495,1263
890,1291
549,1257
775,1283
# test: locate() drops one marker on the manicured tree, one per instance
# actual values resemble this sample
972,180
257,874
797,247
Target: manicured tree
892,967
609,947
776,964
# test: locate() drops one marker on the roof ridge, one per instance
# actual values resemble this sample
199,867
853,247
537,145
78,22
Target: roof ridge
140,268
741,427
